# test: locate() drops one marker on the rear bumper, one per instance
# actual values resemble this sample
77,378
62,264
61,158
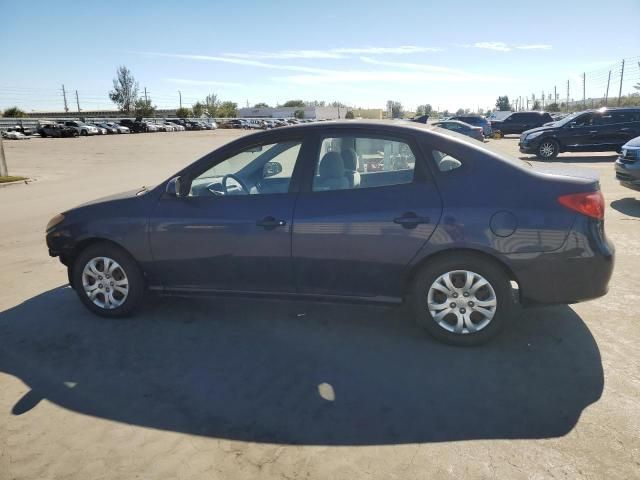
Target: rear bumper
578,271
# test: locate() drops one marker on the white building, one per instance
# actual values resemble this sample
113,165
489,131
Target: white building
317,113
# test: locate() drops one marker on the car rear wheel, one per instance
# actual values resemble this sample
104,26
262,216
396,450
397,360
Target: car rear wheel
108,281
547,149
462,299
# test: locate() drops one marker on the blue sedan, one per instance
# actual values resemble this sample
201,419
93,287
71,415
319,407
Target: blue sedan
444,224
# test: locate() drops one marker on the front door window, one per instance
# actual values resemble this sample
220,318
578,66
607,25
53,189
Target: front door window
260,169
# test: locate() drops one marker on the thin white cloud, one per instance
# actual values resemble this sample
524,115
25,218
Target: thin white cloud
534,47
410,66
286,54
402,73
497,46
397,77
213,83
505,47
333,53
235,61
404,49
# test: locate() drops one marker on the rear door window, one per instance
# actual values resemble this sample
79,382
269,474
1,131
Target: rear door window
353,162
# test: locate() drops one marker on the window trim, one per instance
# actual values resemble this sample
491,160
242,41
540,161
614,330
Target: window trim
420,171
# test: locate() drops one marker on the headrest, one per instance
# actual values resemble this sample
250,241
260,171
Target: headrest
331,165
350,159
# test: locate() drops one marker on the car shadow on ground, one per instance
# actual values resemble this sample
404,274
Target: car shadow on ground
300,373
628,206
563,158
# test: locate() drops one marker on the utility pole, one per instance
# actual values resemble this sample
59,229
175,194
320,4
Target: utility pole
145,95
542,99
584,90
555,96
567,95
606,95
4,172
180,93
621,77
64,95
77,101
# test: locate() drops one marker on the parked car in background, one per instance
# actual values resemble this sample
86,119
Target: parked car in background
108,127
135,126
57,130
236,123
178,122
476,121
119,128
518,122
83,129
20,128
14,135
151,127
101,130
254,123
461,127
628,165
257,217
605,129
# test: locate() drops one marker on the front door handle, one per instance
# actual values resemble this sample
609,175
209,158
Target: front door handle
593,132
410,220
270,223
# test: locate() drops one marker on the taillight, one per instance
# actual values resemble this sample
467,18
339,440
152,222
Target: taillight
590,204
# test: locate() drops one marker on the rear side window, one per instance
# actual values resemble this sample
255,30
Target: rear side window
624,117
354,162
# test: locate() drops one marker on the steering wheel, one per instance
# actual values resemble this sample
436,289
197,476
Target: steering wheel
238,181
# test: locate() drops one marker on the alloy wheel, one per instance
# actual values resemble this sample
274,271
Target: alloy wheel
547,149
105,282
462,302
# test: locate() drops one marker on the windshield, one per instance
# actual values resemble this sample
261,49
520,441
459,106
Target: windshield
567,119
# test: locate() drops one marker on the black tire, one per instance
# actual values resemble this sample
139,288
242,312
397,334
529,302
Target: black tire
548,149
488,269
128,265
76,134
43,135
84,133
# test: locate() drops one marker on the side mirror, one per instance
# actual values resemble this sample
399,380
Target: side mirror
270,169
572,124
174,187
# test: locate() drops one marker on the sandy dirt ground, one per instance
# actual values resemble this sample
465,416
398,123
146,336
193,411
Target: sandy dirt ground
245,389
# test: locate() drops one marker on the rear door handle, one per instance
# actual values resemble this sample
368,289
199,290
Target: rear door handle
410,220
270,222
593,132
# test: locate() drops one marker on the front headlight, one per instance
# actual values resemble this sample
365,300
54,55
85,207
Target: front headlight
57,220
533,135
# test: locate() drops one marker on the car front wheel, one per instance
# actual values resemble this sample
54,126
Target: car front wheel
462,299
107,280
547,149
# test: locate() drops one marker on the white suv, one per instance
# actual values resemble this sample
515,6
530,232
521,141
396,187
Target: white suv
82,128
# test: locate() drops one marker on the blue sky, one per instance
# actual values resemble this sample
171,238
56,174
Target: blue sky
363,53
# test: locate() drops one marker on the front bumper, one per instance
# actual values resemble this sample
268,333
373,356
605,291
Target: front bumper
628,173
528,146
